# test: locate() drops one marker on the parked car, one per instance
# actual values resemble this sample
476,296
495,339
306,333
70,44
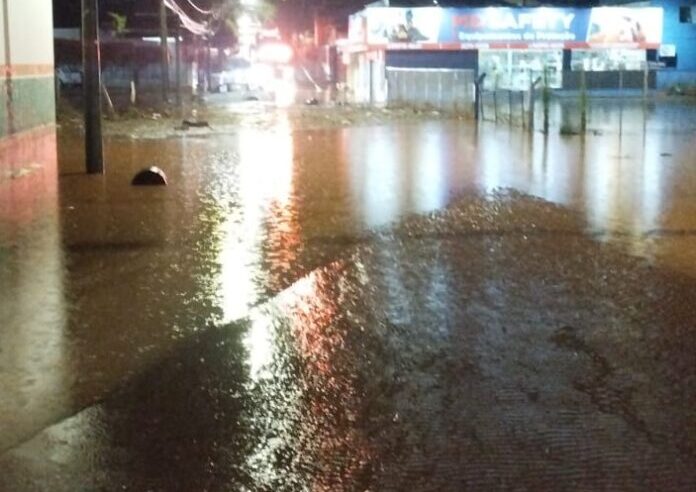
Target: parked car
69,75
235,74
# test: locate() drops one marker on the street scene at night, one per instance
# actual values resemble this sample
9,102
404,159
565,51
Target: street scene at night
331,246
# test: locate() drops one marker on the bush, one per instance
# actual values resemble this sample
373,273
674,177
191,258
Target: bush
568,130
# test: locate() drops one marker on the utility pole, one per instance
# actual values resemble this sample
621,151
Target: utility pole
178,67
164,39
92,87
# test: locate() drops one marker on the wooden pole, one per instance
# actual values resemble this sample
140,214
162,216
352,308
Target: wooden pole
178,68
164,37
92,86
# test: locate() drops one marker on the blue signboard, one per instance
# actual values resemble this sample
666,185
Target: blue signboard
523,26
514,25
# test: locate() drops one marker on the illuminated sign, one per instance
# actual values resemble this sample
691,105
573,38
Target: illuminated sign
514,26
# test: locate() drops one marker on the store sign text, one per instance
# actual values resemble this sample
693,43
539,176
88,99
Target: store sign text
500,20
529,26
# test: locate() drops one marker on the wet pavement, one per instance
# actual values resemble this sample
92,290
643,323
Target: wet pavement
315,305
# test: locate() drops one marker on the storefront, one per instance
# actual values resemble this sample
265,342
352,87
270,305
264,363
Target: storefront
513,46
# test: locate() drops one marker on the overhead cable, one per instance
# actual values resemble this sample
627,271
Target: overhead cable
198,9
200,28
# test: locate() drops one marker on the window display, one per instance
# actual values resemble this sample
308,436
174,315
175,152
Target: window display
514,69
607,60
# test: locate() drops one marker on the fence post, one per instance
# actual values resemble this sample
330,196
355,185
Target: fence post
583,101
532,89
495,96
546,99
177,64
621,101
478,103
107,99
646,74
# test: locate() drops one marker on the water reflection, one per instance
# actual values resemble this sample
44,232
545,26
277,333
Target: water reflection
249,213
323,387
262,184
431,171
309,405
35,375
374,173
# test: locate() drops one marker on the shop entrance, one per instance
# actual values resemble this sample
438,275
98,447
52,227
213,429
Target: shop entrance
514,69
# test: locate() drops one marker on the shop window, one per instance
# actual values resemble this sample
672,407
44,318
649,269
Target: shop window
686,15
607,60
515,69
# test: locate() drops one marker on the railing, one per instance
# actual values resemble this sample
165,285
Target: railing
442,89
542,107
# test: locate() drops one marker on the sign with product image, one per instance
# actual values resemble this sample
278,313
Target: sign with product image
512,27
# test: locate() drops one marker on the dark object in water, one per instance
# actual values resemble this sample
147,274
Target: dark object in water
195,124
152,176
312,102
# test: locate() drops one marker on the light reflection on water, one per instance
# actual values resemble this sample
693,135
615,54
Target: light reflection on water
251,212
35,363
263,177
621,185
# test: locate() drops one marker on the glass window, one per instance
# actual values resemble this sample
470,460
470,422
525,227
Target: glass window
598,60
686,14
515,69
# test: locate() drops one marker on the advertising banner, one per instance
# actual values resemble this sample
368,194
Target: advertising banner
514,26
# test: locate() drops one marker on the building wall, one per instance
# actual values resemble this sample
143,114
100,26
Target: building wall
463,59
680,34
26,56
27,101
449,90
367,78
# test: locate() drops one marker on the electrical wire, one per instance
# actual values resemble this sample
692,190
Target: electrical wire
200,28
198,9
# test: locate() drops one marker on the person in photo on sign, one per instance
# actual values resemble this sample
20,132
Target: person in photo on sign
622,29
407,32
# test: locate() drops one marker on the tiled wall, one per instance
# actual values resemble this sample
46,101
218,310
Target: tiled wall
27,95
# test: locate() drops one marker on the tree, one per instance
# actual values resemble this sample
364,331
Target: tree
120,22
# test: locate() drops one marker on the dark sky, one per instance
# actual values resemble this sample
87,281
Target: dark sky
67,12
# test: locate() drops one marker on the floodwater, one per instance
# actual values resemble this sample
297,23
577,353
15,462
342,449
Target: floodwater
357,308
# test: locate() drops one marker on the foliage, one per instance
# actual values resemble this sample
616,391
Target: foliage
225,13
120,22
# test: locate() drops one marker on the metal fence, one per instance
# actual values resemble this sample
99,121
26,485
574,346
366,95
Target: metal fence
590,107
442,89
505,106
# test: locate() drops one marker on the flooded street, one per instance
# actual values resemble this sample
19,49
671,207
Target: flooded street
325,303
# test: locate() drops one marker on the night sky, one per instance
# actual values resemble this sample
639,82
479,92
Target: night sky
66,13
293,13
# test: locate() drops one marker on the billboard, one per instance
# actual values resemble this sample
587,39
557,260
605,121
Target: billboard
399,25
513,26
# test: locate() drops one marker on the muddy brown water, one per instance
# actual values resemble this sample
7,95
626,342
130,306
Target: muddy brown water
192,303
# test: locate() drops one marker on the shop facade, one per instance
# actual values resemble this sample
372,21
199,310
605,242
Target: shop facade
678,49
604,47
